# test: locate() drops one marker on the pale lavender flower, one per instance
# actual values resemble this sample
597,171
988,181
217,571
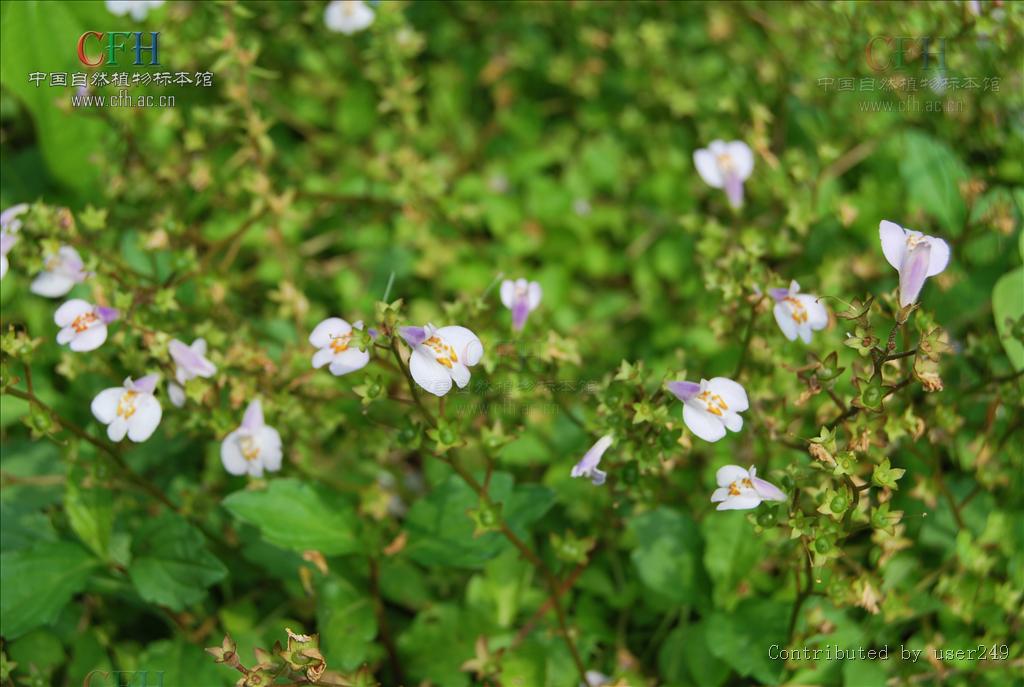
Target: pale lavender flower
521,297
138,9
440,356
10,224
587,467
83,325
130,409
711,407
253,447
7,242
10,218
61,271
190,362
333,338
347,16
798,314
740,489
914,255
725,165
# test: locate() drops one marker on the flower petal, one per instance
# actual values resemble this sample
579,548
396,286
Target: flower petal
349,360
104,405
322,357
117,429
684,391
720,494
534,293
413,336
894,242
939,257
784,318
742,158
146,418
270,449
428,373
817,313
913,272
253,418
707,167
69,310
51,284
466,344
508,293
89,340
727,474
740,503
460,375
732,421
731,392
231,455
331,327
593,456
176,394
702,423
598,477
767,490
733,189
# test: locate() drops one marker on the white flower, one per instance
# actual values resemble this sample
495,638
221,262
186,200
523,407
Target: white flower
711,407
83,325
914,255
10,224
333,337
440,356
739,489
348,16
61,271
253,447
130,409
587,467
521,297
596,679
725,165
7,242
798,314
137,8
191,362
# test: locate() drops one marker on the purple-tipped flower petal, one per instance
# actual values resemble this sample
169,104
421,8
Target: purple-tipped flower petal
253,418
684,391
413,336
913,273
587,467
107,314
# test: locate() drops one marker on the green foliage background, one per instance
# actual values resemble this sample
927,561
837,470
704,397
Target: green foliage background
445,145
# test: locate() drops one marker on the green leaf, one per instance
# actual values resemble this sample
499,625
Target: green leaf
685,658
90,511
441,531
346,623
68,138
731,550
742,638
173,663
170,563
38,582
295,515
932,173
668,555
1008,309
